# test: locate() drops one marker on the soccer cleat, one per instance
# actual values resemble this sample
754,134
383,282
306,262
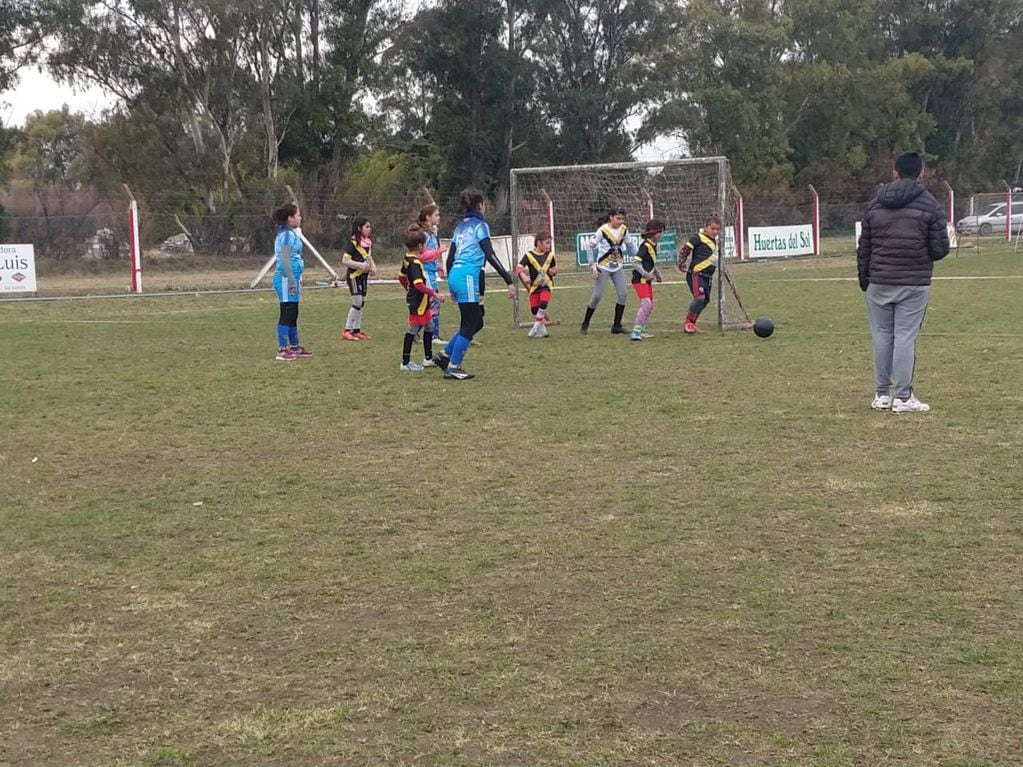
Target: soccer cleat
285,355
361,336
881,402
411,367
618,330
532,331
584,329
910,405
541,331
348,335
301,351
457,374
429,363
690,328
439,340
441,360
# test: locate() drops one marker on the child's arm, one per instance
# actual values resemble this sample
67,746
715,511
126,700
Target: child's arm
520,270
430,256
350,263
422,287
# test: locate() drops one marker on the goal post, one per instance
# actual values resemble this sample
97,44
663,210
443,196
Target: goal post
570,201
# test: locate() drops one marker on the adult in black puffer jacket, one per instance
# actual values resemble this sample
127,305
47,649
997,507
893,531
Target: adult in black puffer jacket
904,233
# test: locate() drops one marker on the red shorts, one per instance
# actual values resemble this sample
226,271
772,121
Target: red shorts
420,319
644,290
543,294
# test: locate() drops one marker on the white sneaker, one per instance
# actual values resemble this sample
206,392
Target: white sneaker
882,402
429,364
411,367
911,405
539,330
532,332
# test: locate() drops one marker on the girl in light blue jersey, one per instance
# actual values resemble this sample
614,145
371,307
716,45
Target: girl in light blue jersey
433,262
470,248
288,281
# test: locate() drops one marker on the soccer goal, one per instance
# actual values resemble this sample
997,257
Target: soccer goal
568,201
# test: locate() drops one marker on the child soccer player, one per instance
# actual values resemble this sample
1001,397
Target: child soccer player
604,255
419,298
644,272
288,281
537,271
701,252
433,262
470,248
358,258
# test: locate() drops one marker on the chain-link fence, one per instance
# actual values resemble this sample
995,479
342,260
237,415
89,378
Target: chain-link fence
82,241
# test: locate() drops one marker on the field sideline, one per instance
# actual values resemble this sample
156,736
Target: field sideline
689,551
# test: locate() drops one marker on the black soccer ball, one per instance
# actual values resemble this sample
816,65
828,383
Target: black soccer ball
763,327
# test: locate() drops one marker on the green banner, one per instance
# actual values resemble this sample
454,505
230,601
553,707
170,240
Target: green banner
666,248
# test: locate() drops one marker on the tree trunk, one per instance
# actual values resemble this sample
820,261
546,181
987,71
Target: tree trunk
269,124
314,39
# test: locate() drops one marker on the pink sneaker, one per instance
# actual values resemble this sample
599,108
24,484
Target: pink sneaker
286,355
690,328
301,351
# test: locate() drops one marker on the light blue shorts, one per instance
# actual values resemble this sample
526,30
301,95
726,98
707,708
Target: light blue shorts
464,285
282,285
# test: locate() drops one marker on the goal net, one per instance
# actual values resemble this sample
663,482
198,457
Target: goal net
568,201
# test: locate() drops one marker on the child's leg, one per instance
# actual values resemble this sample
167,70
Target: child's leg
472,322
645,294
428,341
283,330
293,326
700,287
355,313
411,334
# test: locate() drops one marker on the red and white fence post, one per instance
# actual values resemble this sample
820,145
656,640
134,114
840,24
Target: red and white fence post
740,224
134,243
816,205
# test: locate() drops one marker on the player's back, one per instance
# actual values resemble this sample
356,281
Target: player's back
467,236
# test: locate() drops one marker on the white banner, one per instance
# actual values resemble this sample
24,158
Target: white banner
17,269
780,241
728,242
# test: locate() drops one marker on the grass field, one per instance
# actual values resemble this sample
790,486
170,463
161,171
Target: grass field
690,551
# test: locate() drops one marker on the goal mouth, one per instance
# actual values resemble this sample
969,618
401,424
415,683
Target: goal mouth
569,203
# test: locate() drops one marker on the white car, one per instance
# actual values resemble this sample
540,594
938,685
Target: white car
992,220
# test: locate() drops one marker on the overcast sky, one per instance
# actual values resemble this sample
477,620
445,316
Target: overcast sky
37,91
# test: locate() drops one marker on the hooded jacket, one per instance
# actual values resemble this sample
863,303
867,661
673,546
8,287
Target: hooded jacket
904,233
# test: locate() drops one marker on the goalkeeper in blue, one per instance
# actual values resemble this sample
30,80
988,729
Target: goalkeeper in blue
470,248
288,281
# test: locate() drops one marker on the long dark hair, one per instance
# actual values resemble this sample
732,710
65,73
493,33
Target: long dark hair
426,212
471,199
357,225
283,213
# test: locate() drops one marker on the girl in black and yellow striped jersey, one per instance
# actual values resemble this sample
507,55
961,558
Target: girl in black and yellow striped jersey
358,259
701,253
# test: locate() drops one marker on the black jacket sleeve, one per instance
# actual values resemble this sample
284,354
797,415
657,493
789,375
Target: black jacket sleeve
492,259
937,237
863,252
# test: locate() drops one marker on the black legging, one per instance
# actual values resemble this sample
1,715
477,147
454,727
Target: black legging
472,320
289,314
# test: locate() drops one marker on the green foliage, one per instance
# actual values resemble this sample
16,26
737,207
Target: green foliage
216,97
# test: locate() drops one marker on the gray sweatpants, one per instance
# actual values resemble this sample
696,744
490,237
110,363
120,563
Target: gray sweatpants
617,277
895,313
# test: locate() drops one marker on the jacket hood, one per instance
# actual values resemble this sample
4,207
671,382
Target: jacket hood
899,194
